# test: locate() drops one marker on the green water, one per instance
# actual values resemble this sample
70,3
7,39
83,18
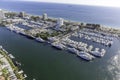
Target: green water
42,62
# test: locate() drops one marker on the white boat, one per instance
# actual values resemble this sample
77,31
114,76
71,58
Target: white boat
96,49
4,50
98,53
22,33
39,39
16,31
1,47
85,56
25,75
52,39
11,56
82,48
72,45
90,48
73,50
103,51
21,71
58,45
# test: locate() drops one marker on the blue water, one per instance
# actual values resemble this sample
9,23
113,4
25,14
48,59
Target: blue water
107,16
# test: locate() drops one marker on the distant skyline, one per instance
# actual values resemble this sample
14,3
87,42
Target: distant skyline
111,3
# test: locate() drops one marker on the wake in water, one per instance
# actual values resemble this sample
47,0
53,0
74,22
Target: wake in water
114,67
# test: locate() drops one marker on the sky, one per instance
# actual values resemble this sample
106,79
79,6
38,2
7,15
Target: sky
111,3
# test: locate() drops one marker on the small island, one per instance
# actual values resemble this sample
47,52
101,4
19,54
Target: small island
59,32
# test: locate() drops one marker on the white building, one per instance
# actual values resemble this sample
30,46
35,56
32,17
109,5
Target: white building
22,14
60,22
45,16
2,16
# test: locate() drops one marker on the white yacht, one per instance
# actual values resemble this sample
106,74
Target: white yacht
73,50
11,56
39,39
1,47
23,33
58,45
98,53
103,51
90,48
86,56
82,48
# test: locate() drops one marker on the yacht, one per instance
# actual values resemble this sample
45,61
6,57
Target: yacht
73,50
39,39
1,47
58,45
22,33
85,56
90,48
103,51
98,53
82,48
11,56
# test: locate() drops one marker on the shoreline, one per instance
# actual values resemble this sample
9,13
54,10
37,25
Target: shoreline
13,70
106,26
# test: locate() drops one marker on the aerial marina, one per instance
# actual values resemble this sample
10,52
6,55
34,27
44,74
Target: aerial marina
58,33
56,41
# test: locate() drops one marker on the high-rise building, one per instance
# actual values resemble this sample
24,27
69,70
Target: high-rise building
60,22
45,16
22,14
2,16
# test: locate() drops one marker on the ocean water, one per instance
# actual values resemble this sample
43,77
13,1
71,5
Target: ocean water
107,16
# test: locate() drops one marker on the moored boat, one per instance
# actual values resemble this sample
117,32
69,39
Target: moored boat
85,56
73,50
58,45
39,39
98,53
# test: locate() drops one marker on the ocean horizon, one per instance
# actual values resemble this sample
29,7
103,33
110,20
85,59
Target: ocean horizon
106,16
